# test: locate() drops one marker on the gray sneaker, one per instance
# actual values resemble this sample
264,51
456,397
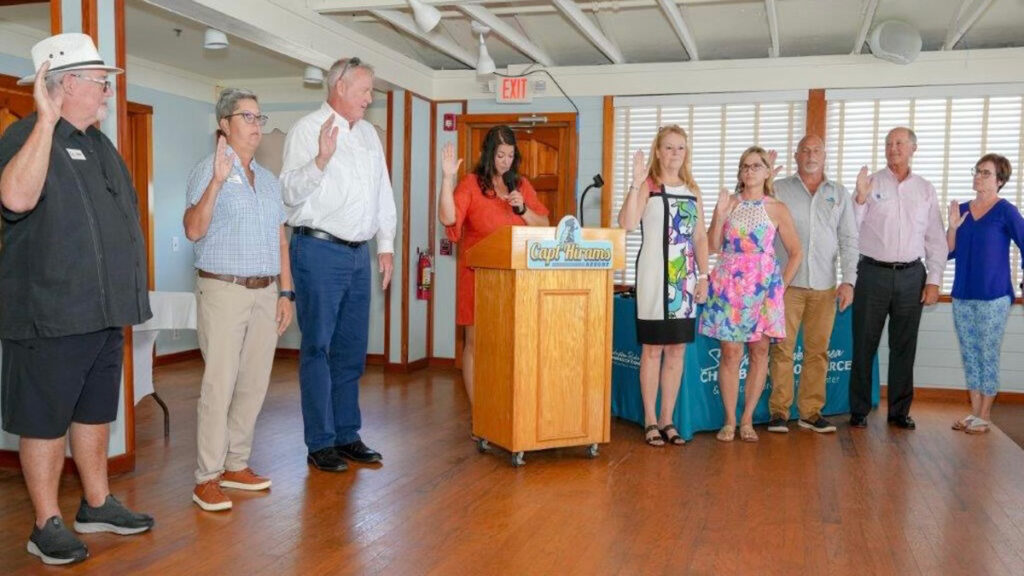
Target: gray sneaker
111,517
54,544
818,424
778,424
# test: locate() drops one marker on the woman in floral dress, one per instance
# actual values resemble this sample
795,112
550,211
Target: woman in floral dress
745,303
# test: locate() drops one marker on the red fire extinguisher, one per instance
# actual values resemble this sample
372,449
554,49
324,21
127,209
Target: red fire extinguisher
424,273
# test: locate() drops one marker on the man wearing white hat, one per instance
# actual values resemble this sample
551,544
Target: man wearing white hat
72,275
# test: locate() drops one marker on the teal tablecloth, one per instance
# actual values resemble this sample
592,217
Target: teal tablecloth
699,407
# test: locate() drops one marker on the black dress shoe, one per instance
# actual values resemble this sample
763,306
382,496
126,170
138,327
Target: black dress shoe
327,459
858,421
358,452
904,422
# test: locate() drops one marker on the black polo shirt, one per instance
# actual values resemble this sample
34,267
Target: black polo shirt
76,263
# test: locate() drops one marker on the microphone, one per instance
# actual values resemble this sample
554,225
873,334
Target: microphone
598,182
511,181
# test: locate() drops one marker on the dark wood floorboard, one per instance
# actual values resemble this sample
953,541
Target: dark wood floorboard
875,501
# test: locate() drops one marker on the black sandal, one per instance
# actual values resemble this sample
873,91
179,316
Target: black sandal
675,439
653,439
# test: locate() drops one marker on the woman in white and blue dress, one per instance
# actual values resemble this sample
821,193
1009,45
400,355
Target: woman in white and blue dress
671,272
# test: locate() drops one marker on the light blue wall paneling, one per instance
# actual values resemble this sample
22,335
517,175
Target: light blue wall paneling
181,138
419,222
14,66
444,266
398,168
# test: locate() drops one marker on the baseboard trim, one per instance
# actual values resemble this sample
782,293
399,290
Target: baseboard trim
117,465
175,357
398,367
958,395
442,363
195,354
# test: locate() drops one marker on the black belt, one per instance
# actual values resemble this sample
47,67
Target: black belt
307,231
889,265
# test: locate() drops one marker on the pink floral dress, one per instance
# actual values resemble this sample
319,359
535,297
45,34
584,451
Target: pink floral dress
745,298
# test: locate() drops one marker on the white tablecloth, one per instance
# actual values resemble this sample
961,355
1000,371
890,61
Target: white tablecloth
171,311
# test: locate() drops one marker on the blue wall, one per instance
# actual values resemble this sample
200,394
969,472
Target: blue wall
181,138
13,66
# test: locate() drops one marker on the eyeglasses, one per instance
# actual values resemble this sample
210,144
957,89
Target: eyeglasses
251,118
105,82
982,173
353,62
751,167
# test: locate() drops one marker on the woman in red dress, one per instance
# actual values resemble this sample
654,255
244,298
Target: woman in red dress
492,196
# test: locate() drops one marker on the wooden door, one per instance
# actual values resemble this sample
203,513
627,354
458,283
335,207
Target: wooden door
15,102
548,151
137,151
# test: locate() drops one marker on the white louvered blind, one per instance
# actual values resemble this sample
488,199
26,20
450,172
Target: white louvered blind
718,135
952,133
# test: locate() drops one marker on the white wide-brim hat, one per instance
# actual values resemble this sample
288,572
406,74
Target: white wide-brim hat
67,52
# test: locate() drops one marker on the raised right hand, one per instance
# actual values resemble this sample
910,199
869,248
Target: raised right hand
955,219
223,161
724,200
639,168
864,181
328,142
449,164
47,106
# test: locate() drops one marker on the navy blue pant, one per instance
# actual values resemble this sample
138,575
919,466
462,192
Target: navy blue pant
332,289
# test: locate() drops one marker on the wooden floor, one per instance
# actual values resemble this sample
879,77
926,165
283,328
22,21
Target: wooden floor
875,501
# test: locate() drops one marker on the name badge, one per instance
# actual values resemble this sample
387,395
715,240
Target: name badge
235,179
76,154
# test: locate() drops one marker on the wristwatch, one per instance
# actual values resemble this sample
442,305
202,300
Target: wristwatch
519,210
289,294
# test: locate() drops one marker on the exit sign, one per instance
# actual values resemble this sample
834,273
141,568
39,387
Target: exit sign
513,91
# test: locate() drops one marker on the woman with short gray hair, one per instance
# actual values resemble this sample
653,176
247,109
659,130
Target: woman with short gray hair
235,217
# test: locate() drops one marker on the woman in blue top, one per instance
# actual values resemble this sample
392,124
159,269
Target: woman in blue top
979,236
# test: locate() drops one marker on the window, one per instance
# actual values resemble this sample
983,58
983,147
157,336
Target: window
955,126
720,127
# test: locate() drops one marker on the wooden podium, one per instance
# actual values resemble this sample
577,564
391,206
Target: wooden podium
542,373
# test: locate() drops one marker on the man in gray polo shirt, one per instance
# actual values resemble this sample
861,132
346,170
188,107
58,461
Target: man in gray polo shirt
823,214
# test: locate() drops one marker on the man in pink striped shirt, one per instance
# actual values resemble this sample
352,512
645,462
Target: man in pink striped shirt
898,217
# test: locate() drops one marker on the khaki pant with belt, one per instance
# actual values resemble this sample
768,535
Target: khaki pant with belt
237,335
816,311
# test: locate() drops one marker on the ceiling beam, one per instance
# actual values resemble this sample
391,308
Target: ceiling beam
304,35
963,20
865,25
502,8
589,29
773,27
435,38
515,38
675,18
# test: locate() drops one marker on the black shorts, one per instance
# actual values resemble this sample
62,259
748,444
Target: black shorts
48,383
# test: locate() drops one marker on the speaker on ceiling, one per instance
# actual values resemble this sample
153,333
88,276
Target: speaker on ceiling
895,41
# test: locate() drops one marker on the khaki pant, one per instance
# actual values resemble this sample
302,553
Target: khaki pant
816,311
237,336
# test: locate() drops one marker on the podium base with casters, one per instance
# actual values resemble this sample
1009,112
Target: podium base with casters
542,368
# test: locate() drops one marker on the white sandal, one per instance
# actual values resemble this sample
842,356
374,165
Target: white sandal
977,426
962,424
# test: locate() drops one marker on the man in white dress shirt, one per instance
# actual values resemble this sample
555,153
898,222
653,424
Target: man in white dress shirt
338,196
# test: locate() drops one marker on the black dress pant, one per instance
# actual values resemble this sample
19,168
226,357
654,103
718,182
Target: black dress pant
880,293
